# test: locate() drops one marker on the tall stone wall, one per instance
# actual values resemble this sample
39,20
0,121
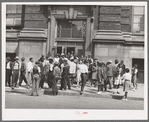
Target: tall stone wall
115,18
105,52
33,49
35,16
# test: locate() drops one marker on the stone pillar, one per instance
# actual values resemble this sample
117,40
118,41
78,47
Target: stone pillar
48,37
52,37
88,39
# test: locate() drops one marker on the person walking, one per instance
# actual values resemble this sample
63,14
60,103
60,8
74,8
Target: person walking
8,71
15,72
30,71
84,72
36,79
23,72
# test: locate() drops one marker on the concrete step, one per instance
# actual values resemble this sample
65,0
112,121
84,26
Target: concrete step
89,92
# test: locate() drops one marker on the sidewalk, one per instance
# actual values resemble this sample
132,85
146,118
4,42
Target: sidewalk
89,92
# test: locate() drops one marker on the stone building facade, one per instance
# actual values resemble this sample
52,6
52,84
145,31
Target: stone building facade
107,32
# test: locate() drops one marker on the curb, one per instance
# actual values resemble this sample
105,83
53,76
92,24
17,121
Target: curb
70,93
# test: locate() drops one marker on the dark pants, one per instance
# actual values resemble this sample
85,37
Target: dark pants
54,87
101,85
15,77
83,77
35,84
65,81
8,76
110,81
22,77
42,81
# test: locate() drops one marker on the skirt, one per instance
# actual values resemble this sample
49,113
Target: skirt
126,86
117,80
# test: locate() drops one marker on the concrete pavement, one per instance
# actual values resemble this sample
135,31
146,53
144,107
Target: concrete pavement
89,92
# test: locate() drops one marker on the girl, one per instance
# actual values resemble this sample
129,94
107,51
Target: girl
126,84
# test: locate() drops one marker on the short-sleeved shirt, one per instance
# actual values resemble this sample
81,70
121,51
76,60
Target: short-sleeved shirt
127,76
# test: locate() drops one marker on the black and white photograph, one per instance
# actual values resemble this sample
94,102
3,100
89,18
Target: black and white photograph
74,61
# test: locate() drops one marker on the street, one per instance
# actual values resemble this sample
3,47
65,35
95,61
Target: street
17,100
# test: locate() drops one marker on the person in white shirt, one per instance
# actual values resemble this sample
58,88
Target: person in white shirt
72,71
78,73
127,80
30,70
84,72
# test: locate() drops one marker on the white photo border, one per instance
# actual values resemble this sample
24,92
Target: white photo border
67,114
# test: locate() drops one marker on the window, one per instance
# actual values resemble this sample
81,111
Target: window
13,15
70,29
138,19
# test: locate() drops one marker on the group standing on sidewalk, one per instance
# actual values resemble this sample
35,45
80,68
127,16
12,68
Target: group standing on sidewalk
70,69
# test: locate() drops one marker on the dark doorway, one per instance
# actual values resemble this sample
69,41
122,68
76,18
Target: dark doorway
69,49
140,63
11,55
59,50
80,52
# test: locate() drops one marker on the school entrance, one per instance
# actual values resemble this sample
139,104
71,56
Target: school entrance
140,63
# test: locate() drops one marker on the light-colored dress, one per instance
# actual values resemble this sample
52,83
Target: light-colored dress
127,81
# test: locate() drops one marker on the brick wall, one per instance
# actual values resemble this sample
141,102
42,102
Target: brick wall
115,18
35,16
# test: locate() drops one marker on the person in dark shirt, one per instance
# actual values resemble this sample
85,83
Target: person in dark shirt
8,71
36,79
23,72
65,76
110,74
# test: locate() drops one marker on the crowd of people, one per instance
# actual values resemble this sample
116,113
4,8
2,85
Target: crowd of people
69,70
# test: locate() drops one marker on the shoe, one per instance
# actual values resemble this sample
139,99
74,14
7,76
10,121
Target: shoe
31,95
123,99
118,93
99,93
81,93
37,94
12,88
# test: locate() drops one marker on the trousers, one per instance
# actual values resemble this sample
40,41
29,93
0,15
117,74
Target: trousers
65,81
83,77
22,77
35,84
110,81
8,76
15,77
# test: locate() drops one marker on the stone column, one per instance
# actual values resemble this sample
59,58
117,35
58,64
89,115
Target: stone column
88,39
52,37
48,37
